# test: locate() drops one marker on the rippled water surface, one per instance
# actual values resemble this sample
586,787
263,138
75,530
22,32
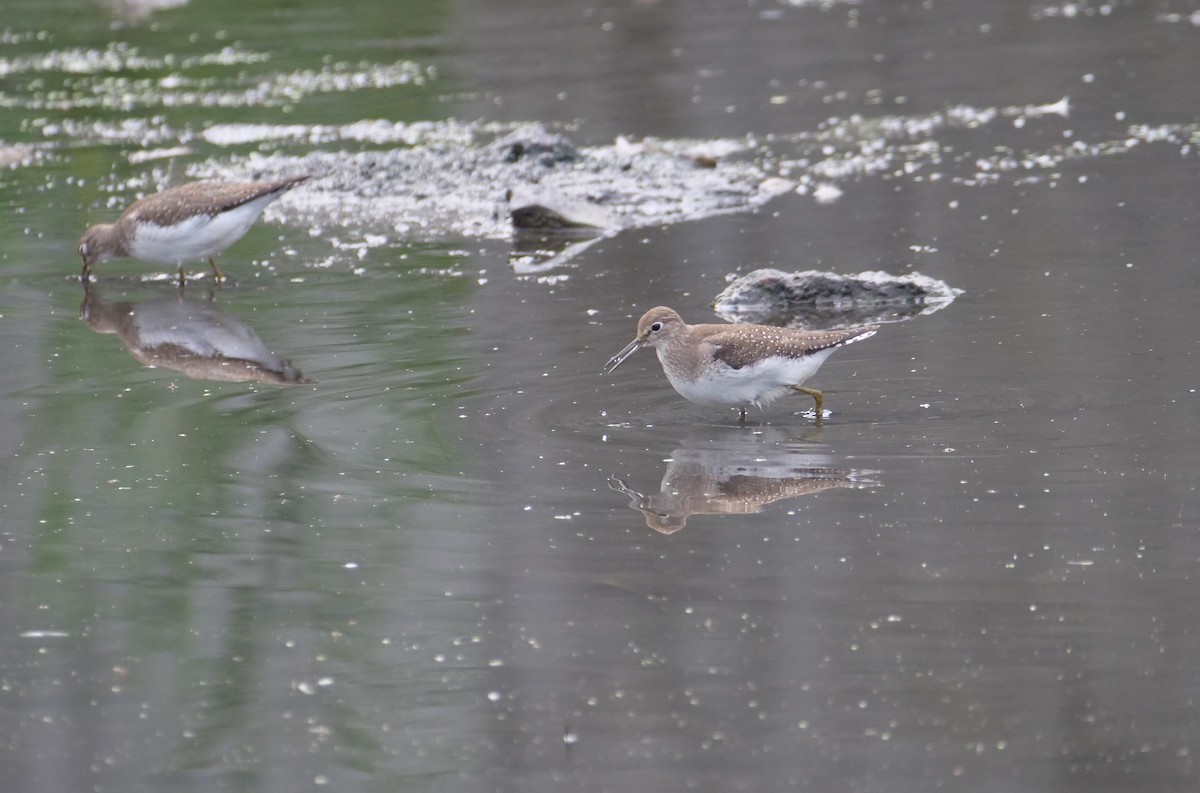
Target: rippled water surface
460,558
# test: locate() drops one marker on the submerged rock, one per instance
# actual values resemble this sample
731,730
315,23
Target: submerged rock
547,209
460,186
815,299
534,141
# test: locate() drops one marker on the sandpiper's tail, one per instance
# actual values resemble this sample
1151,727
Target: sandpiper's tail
282,185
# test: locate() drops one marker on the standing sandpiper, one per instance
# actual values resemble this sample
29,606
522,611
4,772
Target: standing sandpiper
188,223
736,365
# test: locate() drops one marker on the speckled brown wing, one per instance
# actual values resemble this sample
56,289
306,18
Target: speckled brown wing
210,198
741,345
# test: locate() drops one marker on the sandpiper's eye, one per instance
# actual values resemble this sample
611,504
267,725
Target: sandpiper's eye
656,327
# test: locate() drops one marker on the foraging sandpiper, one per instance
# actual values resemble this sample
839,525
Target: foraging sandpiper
736,365
184,224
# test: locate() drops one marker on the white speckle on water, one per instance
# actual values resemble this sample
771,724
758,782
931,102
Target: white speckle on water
826,193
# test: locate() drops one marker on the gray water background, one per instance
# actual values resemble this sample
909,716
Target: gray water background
979,574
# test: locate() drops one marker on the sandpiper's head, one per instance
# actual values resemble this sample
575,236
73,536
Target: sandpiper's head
95,245
656,327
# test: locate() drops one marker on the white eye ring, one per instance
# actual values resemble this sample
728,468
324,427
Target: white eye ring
656,327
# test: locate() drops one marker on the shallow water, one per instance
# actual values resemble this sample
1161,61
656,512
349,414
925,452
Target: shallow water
464,559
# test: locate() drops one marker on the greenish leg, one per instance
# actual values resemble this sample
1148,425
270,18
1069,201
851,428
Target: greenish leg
220,276
817,396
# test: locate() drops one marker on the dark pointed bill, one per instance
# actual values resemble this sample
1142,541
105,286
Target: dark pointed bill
628,350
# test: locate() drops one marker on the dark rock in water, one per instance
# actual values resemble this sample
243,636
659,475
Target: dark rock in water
535,142
550,210
815,299
538,216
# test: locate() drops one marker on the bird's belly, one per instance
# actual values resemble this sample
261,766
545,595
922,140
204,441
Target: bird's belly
756,384
193,239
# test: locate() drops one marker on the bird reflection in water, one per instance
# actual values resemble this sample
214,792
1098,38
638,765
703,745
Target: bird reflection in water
190,336
735,479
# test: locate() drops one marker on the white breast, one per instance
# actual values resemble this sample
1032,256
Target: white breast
757,384
198,237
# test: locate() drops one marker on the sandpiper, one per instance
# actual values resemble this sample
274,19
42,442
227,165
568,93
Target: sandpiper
736,365
192,222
